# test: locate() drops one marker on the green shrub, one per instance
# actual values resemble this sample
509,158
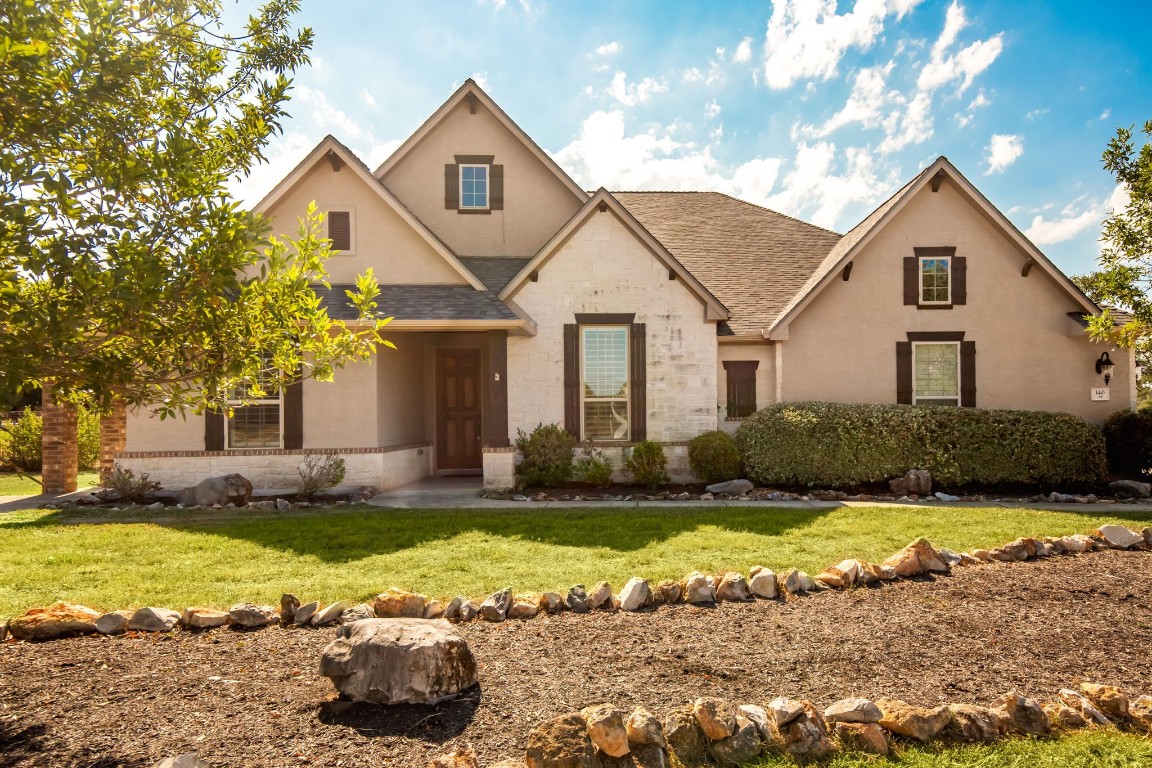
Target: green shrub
88,438
594,468
129,487
22,444
841,445
1128,435
714,457
318,473
646,462
546,455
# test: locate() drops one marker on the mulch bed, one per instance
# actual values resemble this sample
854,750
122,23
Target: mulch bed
254,699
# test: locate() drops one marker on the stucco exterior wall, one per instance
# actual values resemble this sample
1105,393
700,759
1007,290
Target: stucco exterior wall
603,268
842,347
342,413
403,390
146,432
764,354
380,238
536,203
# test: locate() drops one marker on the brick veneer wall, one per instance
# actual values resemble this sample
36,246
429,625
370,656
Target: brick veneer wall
113,437
59,445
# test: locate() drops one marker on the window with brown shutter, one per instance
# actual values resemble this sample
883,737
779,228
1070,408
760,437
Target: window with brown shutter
473,184
935,278
340,230
605,377
741,375
936,368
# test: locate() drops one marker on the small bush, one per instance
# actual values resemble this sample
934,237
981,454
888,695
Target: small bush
594,468
88,438
714,457
1128,436
843,445
319,472
23,444
129,487
647,463
547,455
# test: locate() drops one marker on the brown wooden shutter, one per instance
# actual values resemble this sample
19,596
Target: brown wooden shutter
904,372
340,230
572,380
968,374
213,431
911,280
451,186
741,378
496,187
959,280
638,376
294,415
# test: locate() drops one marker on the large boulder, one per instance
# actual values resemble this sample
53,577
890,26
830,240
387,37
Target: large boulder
57,620
915,481
206,618
577,599
1082,705
733,587
696,589
562,742
643,728
1130,489
805,736
113,623
1107,698
233,488
853,711
863,737
399,661
762,582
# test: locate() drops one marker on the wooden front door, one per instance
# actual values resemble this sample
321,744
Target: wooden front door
458,414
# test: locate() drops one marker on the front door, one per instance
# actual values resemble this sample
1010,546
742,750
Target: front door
458,425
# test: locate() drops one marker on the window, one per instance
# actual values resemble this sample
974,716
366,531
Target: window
473,186
259,423
604,378
936,368
935,274
935,278
340,230
741,375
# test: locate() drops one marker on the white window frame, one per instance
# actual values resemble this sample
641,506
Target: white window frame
920,278
351,229
234,403
916,398
487,187
626,399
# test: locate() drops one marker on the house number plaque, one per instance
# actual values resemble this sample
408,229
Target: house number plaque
1100,393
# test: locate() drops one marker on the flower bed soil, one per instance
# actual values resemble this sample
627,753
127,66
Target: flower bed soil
254,699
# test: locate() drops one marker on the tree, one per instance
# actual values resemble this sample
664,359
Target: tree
126,269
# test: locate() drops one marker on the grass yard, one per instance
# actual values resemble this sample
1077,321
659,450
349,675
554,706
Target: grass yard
355,552
14,485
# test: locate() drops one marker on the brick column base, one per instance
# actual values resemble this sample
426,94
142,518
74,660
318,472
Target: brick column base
60,446
113,437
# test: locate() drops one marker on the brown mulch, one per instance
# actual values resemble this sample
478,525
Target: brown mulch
254,699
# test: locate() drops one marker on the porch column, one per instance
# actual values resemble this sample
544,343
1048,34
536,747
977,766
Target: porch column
496,389
113,436
59,445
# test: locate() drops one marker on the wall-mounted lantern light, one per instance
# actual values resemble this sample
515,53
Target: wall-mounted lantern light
1105,366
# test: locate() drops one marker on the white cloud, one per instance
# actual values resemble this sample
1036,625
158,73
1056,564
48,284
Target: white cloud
368,99
636,93
913,125
713,76
1107,113
1076,217
1003,150
608,49
323,115
481,79
980,101
1037,113
944,67
283,155
865,103
819,189
712,108
743,51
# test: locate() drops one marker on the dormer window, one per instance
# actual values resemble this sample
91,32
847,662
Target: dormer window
474,184
935,278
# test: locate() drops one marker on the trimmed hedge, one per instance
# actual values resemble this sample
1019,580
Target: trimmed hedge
1128,435
842,445
713,457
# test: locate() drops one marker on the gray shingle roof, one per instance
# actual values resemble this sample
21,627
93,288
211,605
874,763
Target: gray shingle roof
752,259
494,271
420,302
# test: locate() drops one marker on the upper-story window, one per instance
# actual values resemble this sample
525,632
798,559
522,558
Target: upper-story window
935,278
340,230
473,186
935,282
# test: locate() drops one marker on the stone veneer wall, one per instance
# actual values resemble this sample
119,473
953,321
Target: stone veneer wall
382,468
61,456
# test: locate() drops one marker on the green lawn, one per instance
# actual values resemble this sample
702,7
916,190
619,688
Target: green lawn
1091,749
355,552
14,485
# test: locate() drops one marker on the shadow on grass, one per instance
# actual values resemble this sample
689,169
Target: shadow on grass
436,723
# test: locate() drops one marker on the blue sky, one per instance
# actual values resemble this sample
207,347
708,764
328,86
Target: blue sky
814,108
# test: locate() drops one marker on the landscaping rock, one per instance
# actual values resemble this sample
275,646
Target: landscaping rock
551,602
283,505
433,609
1140,713
733,587
577,599
606,729
669,592
917,481
227,489
1130,489
717,717
600,596
805,737
205,618
1020,714
57,620
643,728
153,620
1108,699
562,742
697,590
920,723
288,607
452,610
762,583
1084,706
635,594
399,661
1075,544
357,613
1119,537
731,487
686,740
863,737
1064,717
188,760
395,603
524,607
783,711
917,558
972,724
114,623
855,710
797,582
743,746
840,576
758,715
251,615
461,757
945,496
306,614
645,756
495,608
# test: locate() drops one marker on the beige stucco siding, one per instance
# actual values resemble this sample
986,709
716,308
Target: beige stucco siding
146,432
603,268
536,202
342,413
403,390
842,347
380,238
763,353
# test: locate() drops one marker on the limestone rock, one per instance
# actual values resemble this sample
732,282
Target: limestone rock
288,606
783,711
577,599
606,729
758,715
635,594
1119,537
399,661
917,481
252,615
686,740
227,489
863,737
562,742
113,623
806,736
920,723
733,587
1064,717
305,613
1140,713
187,760
331,614
647,756
797,582
205,618
972,724
762,583
731,487
524,607
917,558
357,613
697,589
395,603
1108,699
495,607
717,717
743,746
643,728
1074,544
669,592
1020,714
452,609
433,609
1084,706
600,596
153,620
57,620
842,575
551,602
1130,489
469,610
461,757
854,710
